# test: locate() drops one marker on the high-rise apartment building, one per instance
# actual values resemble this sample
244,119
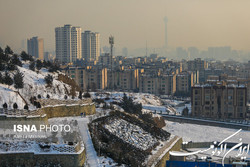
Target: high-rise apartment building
90,45
35,47
68,44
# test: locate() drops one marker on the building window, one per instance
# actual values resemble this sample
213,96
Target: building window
207,97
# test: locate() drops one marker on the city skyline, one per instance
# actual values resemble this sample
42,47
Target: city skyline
194,23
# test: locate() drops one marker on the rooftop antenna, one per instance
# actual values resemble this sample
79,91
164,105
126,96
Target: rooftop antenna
146,49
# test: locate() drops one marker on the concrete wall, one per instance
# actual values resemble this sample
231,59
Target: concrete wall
9,122
177,146
65,111
31,159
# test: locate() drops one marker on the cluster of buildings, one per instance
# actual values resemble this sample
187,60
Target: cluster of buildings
71,45
223,96
220,100
35,47
142,74
221,52
217,89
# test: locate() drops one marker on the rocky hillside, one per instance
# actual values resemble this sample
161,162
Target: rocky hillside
126,138
23,78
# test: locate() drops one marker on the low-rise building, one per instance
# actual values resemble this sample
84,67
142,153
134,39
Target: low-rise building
220,100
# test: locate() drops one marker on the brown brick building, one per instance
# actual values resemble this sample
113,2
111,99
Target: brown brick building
219,101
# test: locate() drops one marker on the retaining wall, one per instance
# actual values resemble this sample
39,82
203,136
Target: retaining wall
69,110
177,143
7,122
32,159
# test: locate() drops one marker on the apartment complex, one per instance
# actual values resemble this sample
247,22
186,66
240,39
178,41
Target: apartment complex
88,77
35,47
197,64
219,100
68,44
184,82
162,84
152,75
105,59
90,45
140,78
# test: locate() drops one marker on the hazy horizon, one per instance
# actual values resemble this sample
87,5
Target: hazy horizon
190,23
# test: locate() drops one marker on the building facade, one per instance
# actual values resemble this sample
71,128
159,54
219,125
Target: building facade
35,47
163,84
220,101
90,45
68,44
88,77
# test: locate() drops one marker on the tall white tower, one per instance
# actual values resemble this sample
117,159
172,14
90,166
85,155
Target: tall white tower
166,32
68,43
90,45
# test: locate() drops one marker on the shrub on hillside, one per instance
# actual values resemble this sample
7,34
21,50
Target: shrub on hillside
49,80
87,95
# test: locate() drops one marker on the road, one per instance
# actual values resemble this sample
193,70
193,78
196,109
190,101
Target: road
92,158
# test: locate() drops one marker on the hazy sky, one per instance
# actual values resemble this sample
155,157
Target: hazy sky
200,23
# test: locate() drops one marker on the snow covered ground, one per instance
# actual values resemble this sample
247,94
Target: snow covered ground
202,133
34,140
131,134
32,146
143,98
144,111
92,159
34,84
180,109
149,101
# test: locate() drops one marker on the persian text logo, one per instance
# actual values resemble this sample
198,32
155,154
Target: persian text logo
220,149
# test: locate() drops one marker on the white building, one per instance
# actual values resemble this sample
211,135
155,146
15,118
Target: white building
68,43
90,45
35,47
